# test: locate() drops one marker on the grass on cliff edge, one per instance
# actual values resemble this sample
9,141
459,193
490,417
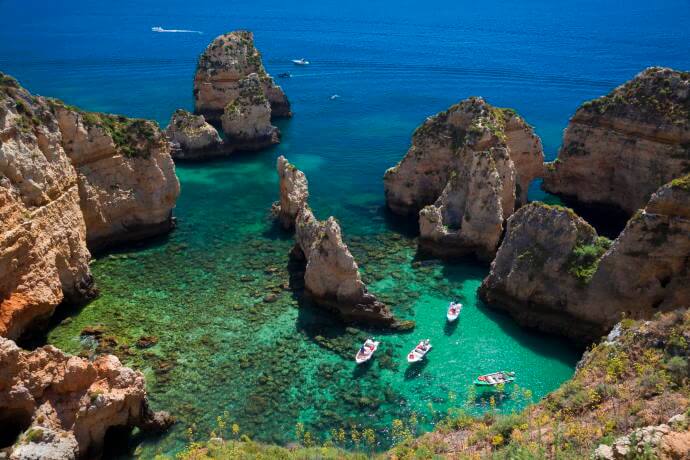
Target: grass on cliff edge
640,378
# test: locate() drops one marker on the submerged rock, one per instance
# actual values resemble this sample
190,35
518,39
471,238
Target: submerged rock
618,149
454,155
193,138
552,272
331,275
232,85
294,192
68,403
69,179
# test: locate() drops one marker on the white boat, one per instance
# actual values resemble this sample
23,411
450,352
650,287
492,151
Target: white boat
301,61
454,310
365,353
419,352
335,96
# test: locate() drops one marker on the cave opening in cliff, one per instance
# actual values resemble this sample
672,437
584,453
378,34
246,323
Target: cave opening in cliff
13,422
118,442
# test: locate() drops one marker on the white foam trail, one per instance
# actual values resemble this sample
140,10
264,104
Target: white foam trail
184,31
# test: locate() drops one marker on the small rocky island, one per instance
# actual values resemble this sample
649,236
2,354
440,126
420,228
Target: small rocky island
467,171
233,89
331,275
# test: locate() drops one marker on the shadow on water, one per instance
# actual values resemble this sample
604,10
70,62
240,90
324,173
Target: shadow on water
405,225
361,369
414,370
450,327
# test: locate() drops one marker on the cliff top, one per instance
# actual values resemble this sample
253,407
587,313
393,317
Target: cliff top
656,95
232,51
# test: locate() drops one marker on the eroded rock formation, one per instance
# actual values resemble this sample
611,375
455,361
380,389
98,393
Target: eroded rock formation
67,179
67,403
193,138
554,273
294,192
331,275
454,154
618,149
232,86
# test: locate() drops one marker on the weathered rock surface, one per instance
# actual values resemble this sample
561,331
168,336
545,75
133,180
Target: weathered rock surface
331,275
232,86
67,179
247,119
552,272
294,192
68,403
193,138
126,176
43,254
453,155
618,149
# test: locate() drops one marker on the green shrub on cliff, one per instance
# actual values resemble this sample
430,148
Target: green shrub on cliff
584,260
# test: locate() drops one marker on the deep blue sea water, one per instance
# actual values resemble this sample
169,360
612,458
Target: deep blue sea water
393,64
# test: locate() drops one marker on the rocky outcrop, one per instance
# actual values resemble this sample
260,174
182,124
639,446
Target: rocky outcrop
453,155
666,441
67,179
126,176
294,193
618,149
247,119
67,403
230,74
43,254
193,138
554,273
330,272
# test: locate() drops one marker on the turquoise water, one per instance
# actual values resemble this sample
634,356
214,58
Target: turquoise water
219,347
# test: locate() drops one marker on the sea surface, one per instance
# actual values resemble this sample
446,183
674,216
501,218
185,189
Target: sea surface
198,294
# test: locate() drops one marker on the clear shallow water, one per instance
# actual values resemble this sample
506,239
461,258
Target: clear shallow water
200,291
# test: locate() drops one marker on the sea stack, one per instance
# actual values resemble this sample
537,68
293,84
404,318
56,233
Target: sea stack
193,138
65,404
467,170
331,275
618,149
554,273
70,182
232,86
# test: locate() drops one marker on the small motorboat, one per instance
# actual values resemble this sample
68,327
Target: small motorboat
285,75
495,378
301,61
454,310
335,96
367,350
419,352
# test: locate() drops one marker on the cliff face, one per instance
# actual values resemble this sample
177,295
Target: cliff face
126,176
68,179
331,275
193,138
67,403
618,149
43,254
294,192
453,155
553,272
231,84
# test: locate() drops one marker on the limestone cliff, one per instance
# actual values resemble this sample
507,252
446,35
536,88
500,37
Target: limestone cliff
553,272
331,275
43,254
193,138
69,179
453,155
230,74
247,119
126,176
618,149
66,404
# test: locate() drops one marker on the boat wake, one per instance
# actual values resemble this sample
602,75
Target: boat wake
181,31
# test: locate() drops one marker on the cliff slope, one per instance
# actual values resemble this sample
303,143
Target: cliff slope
618,149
